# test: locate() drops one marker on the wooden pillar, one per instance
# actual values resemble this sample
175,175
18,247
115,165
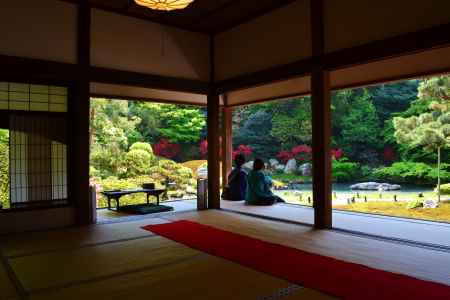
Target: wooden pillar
321,122
227,143
321,130
213,151
80,119
213,123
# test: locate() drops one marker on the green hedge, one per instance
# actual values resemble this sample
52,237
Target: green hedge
345,171
412,173
445,189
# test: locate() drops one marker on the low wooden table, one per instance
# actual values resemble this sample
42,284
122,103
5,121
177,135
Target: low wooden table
117,194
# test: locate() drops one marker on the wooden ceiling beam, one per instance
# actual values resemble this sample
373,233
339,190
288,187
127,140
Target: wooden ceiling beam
35,69
278,73
105,75
410,43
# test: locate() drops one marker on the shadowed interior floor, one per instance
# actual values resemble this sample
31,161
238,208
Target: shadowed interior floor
122,261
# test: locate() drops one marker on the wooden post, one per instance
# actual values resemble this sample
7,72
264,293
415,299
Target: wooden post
213,151
321,122
213,106
227,143
80,118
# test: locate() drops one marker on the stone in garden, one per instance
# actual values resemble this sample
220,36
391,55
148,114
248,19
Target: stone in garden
430,204
202,173
191,190
279,167
305,169
248,165
273,162
375,186
291,166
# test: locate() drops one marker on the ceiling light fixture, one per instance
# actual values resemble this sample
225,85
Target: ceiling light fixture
164,4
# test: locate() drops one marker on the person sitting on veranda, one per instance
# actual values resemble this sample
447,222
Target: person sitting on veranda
237,180
258,186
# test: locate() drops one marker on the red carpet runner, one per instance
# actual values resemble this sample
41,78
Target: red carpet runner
342,279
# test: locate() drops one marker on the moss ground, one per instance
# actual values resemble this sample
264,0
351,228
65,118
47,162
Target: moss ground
399,209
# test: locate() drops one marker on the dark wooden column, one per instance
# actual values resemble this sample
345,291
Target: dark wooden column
227,143
80,118
213,151
321,125
213,122
321,122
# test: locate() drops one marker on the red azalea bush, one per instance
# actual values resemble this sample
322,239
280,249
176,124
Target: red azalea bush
203,147
302,152
166,149
244,150
284,156
337,153
388,155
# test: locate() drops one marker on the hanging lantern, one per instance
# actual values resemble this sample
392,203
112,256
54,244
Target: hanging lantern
164,4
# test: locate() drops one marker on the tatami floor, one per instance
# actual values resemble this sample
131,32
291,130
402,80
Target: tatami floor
122,261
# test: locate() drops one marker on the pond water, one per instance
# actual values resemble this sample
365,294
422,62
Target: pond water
345,188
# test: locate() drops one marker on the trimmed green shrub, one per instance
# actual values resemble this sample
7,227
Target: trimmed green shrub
345,171
414,204
138,162
445,189
142,146
412,173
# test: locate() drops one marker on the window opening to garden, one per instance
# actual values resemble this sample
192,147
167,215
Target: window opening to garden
135,142
392,151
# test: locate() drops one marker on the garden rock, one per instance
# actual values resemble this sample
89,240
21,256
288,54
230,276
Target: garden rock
248,165
191,190
375,186
291,166
279,167
202,173
305,169
273,162
430,204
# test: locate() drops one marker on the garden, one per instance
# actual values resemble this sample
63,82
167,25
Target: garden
139,142
390,147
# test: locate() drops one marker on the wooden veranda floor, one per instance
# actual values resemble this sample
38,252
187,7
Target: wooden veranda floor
412,231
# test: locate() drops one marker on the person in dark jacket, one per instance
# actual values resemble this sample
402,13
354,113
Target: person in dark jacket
237,180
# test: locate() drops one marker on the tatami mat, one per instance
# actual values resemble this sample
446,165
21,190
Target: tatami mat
7,289
74,237
205,277
122,261
307,294
393,257
56,269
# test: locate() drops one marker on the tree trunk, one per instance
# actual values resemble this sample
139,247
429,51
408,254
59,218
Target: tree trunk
439,174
